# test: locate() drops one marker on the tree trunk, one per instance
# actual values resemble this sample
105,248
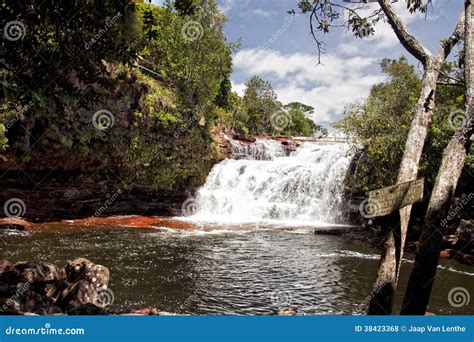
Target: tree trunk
424,271
387,274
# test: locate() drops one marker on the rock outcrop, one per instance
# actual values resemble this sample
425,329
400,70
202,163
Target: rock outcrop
41,288
465,235
15,223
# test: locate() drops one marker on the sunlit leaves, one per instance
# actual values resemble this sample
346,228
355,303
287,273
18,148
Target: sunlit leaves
382,121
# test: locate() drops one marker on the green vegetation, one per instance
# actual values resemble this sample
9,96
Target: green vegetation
381,124
260,113
163,74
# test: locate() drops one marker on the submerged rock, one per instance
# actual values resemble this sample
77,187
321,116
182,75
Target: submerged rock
287,312
145,312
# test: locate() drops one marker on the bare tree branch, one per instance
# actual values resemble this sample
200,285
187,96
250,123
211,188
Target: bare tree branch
449,43
451,84
408,41
448,76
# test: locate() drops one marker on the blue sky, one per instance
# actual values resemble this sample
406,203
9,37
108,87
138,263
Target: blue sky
350,66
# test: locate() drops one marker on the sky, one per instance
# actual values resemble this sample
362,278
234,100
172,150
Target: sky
350,66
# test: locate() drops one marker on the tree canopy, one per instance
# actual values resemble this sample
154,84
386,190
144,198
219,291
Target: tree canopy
381,123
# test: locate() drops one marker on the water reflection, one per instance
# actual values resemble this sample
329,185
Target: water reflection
225,272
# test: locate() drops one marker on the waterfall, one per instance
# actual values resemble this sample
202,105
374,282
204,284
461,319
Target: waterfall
260,150
269,184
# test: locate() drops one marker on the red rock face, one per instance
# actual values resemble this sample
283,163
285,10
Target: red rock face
121,221
14,223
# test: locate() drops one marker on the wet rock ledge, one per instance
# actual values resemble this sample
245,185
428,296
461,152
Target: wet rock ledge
40,288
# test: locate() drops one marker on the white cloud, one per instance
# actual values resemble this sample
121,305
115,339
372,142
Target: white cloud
226,5
295,77
384,37
262,13
239,88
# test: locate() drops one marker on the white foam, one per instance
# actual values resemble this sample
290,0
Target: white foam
302,189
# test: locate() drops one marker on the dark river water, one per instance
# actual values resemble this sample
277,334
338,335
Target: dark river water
229,272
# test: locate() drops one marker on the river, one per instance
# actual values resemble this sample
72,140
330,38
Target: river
235,258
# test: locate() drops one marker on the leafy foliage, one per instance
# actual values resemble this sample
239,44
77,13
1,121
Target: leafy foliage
381,124
300,124
89,64
327,14
188,51
260,113
57,37
161,72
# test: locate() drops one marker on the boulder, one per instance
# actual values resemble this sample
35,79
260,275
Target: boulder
77,294
83,269
53,290
32,301
74,270
30,272
465,232
98,276
6,298
80,288
86,310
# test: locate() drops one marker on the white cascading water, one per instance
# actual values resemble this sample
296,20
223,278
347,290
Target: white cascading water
270,186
